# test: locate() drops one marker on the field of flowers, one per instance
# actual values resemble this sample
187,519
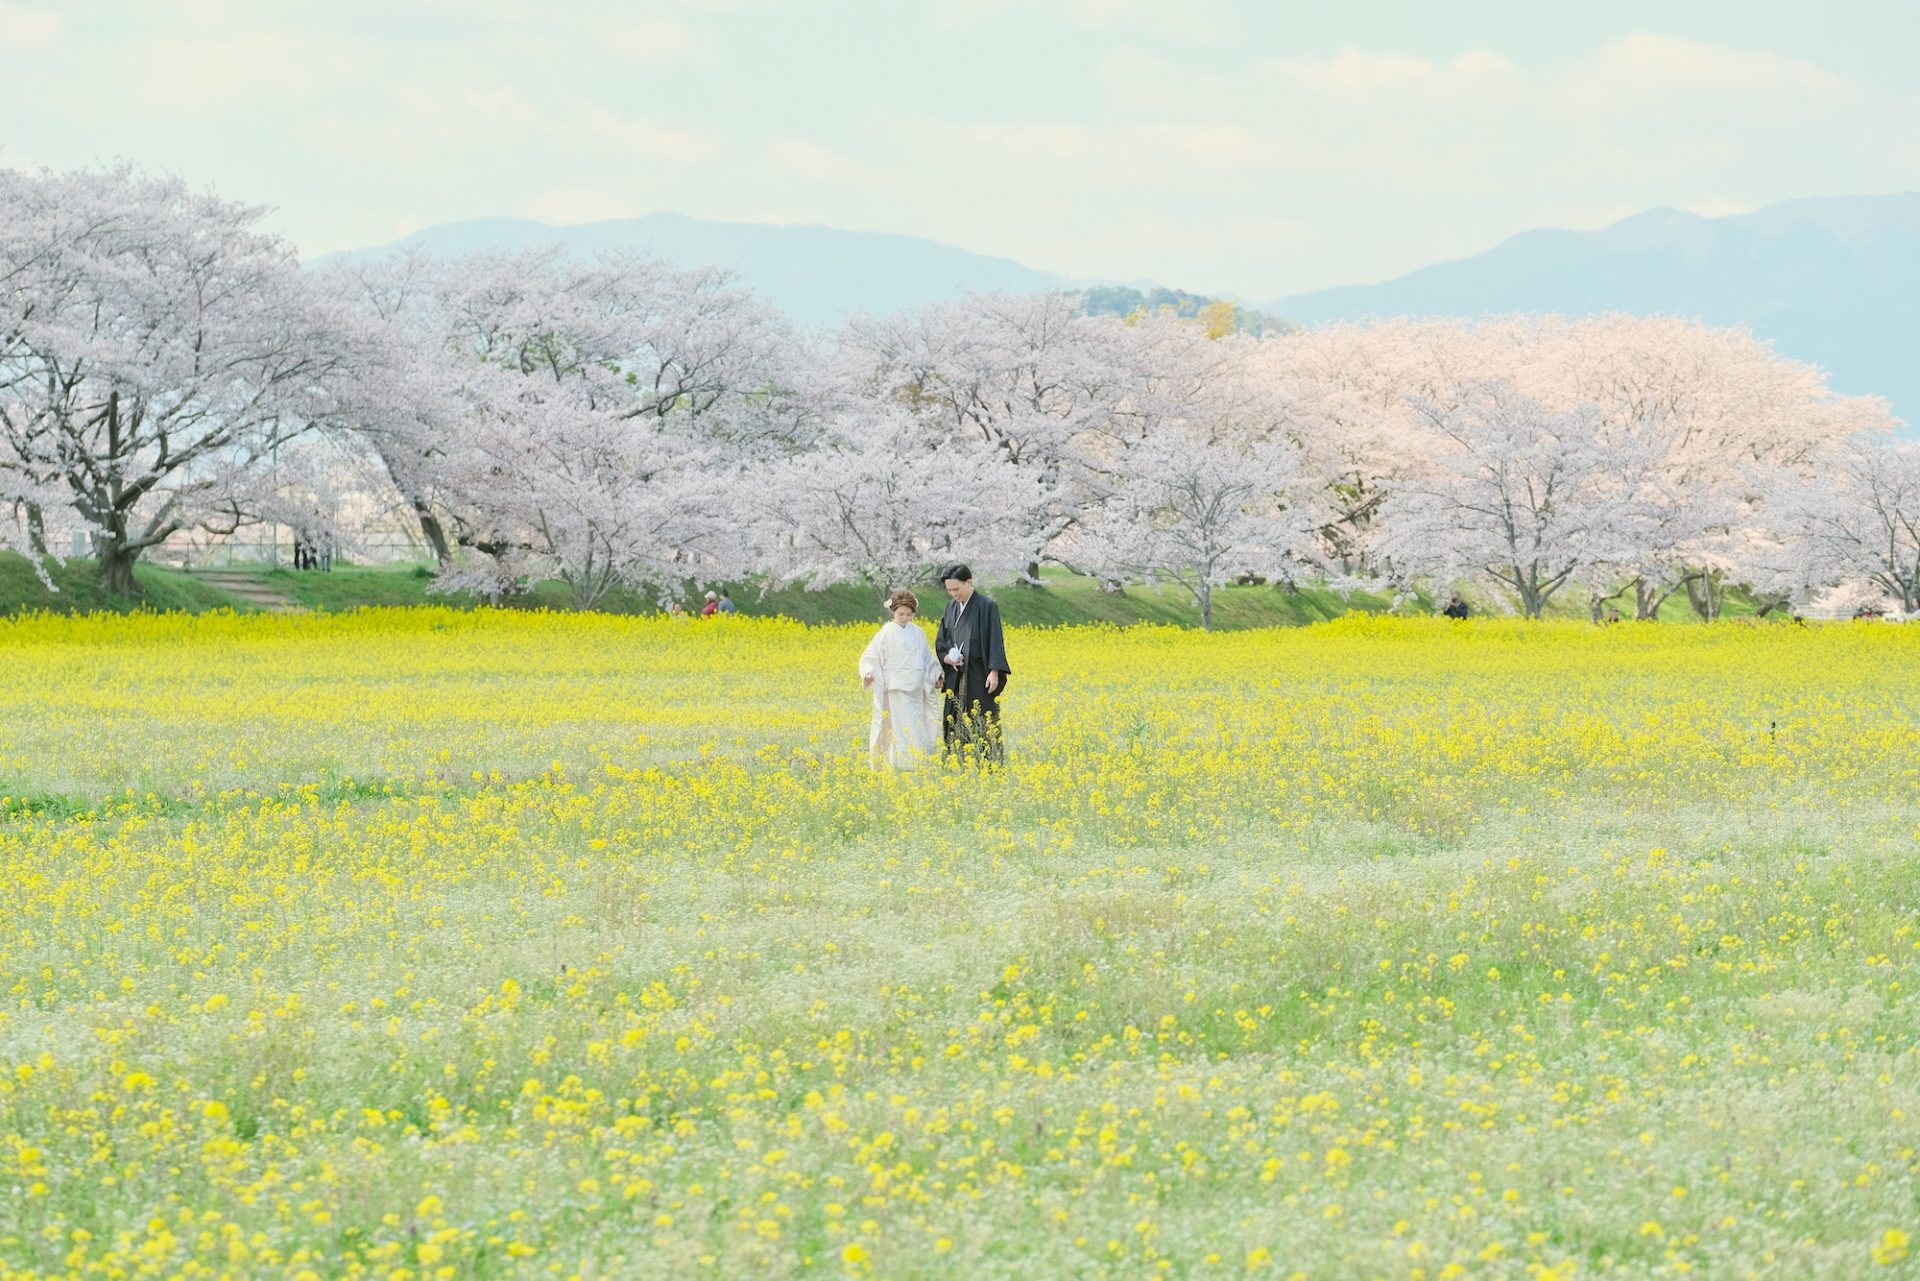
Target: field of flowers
438,944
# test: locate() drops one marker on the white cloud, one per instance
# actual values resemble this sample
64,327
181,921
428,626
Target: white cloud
636,137
1187,22
812,162
1355,73
1711,207
28,28
1221,144
1651,64
956,15
192,74
651,40
569,205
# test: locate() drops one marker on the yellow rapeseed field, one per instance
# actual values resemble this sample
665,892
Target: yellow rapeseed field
439,944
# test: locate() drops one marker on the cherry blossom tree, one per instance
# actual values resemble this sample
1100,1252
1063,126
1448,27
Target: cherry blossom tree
871,503
1029,377
165,367
608,461
1708,405
1664,519
1201,513
1356,393
411,402
1852,517
1526,495
582,418
1192,476
155,349
29,488
1720,403
581,493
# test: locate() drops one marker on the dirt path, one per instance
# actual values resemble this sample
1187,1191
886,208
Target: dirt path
251,588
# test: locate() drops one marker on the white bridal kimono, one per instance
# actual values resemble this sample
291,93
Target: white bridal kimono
906,708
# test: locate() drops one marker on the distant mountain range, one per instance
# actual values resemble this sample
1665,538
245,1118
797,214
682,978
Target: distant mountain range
1834,281
814,274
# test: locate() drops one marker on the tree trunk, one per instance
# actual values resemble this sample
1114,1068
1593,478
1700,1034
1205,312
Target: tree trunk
1032,577
36,529
1525,583
116,569
1703,593
1651,596
436,536
1646,599
1596,602
1205,597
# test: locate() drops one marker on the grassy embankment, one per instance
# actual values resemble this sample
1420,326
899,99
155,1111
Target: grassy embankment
79,590
1062,599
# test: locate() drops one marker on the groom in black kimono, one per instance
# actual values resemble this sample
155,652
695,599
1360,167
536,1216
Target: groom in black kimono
972,650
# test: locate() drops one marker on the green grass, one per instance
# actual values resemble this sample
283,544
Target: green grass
80,592
1063,598
356,586
1060,599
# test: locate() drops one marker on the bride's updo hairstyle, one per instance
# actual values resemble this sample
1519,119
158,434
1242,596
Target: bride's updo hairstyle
901,596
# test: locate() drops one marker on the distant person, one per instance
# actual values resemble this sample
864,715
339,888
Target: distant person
1455,607
973,655
899,667
712,606
726,603
672,608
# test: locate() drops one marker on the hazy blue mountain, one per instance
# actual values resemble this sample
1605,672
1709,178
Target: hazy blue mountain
814,274
1834,281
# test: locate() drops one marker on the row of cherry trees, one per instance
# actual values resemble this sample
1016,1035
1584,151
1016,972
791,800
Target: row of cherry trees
166,367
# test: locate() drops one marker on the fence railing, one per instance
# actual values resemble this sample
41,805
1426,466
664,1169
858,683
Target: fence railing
280,553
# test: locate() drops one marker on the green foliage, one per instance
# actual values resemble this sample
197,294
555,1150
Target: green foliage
1119,300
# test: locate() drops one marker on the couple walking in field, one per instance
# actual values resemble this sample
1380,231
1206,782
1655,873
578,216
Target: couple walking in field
948,690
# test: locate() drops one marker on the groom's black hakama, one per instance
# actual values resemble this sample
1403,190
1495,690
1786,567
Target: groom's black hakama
970,717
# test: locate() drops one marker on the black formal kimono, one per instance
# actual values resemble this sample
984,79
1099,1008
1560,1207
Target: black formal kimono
970,718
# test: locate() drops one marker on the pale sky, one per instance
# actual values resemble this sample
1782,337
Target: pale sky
1252,149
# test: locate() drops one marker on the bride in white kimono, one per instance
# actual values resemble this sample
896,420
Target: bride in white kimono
900,669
